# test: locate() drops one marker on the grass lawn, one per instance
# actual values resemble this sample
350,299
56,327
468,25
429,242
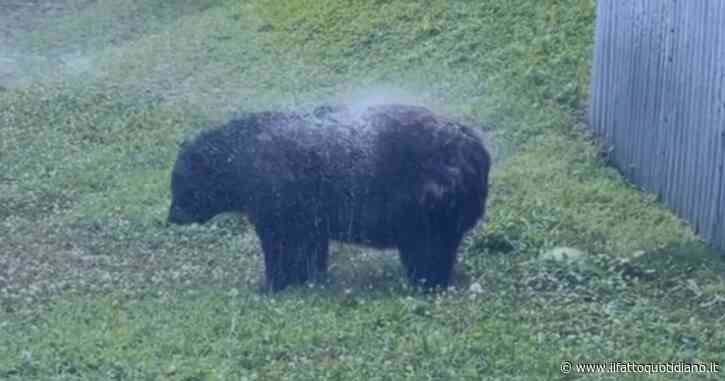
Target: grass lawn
94,285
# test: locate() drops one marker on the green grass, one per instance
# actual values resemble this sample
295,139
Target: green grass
94,286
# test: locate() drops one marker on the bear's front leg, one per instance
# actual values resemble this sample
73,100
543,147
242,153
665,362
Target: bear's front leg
294,253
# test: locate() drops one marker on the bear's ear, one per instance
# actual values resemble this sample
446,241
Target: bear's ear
199,164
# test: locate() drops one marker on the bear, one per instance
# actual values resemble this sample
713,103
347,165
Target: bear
381,176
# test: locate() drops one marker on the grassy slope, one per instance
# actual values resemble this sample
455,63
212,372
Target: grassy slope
85,161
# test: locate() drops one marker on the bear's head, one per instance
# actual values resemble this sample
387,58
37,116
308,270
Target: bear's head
200,187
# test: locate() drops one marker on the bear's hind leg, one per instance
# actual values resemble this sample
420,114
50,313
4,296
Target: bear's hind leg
429,258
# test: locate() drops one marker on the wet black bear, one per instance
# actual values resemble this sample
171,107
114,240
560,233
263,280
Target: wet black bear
387,176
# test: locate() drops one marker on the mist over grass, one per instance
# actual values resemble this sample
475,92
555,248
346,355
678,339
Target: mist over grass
93,285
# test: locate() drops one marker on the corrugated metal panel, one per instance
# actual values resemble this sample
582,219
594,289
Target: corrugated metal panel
658,99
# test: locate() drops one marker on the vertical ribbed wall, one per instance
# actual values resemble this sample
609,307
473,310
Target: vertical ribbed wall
658,99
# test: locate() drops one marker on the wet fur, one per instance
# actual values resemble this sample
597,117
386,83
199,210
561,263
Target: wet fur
389,176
